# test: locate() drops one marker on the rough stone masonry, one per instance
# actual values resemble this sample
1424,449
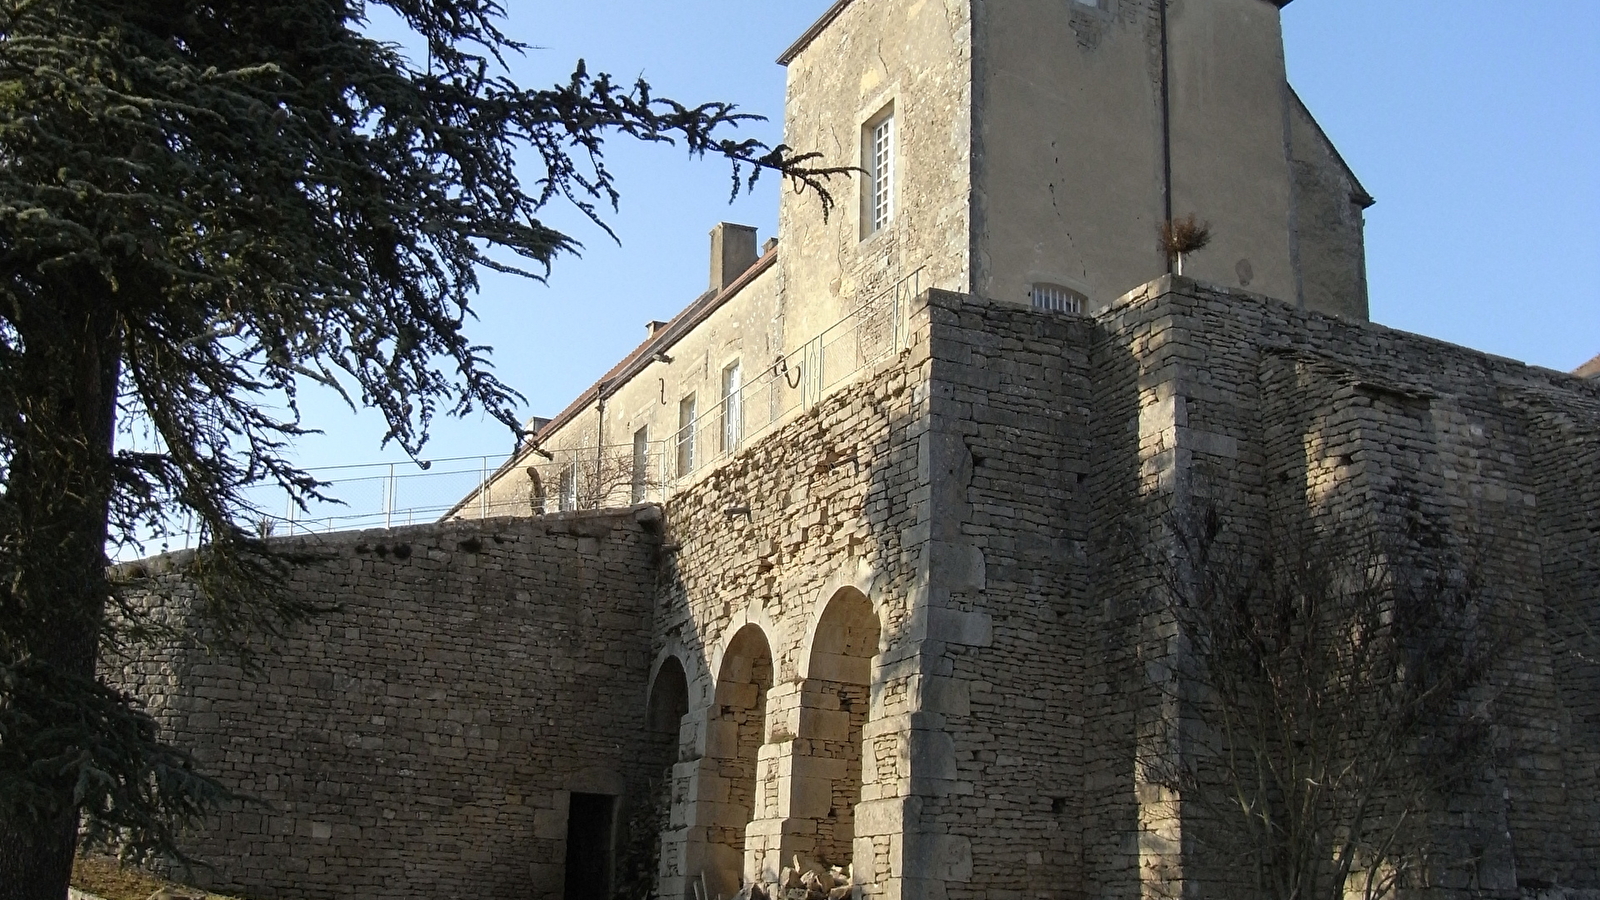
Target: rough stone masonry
902,632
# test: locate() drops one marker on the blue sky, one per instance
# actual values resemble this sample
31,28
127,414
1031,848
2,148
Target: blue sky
1474,123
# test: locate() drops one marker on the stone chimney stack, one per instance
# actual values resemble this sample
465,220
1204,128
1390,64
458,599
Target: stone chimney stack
733,252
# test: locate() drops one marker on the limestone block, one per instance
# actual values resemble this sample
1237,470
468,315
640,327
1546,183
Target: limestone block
1221,445
932,754
881,817
824,724
738,694
768,831
864,861
820,767
950,696
707,787
810,798
844,669
952,626
955,566
721,739
936,857
546,879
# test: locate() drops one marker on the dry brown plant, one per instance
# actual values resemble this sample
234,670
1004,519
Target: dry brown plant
1180,237
1335,687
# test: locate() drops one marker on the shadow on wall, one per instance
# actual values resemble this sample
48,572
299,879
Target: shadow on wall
776,758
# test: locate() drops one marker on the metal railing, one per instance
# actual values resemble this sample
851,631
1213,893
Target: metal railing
875,330
387,495
379,495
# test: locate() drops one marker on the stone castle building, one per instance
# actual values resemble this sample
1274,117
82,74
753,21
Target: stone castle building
835,564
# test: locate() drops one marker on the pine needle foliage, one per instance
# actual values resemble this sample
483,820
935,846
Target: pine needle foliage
203,207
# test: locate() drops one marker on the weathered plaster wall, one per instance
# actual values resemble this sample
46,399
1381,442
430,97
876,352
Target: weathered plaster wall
747,328
917,57
423,740
1067,155
1230,141
1330,231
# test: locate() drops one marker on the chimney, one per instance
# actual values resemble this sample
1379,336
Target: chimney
733,252
653,326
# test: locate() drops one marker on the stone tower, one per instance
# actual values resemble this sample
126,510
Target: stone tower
1038,145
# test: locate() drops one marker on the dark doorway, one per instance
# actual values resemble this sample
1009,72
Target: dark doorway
591,836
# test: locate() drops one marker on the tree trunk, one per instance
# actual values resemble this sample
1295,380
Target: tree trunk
54,513
37,866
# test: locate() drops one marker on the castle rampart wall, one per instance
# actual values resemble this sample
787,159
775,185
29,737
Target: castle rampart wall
916,628
1254,408
425,739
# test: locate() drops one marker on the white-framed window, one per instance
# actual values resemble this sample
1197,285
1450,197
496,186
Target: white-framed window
878,152
641,463
569,487
686,428
1056,298
732,408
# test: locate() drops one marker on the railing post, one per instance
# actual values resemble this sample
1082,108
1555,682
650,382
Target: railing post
483,488
388,500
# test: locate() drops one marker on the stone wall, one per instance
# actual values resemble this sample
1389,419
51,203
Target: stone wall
914,630
423,740
785,598
1249,404
1009,434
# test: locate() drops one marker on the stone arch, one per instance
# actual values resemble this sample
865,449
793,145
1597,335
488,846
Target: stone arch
754,616
736,730
836,704
859,578
666,742
669,697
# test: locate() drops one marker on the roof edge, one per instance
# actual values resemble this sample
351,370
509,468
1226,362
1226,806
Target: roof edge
692,315
1360,195
833,12
811,33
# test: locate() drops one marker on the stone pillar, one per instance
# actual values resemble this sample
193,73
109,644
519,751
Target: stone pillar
771,841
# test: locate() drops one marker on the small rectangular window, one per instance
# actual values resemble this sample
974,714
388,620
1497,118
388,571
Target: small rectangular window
641,463
879,152
686,428
1056,298
732,408
569,488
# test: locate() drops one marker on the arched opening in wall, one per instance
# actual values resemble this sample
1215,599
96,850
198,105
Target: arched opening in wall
734,736
669,699
649,823
837,698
